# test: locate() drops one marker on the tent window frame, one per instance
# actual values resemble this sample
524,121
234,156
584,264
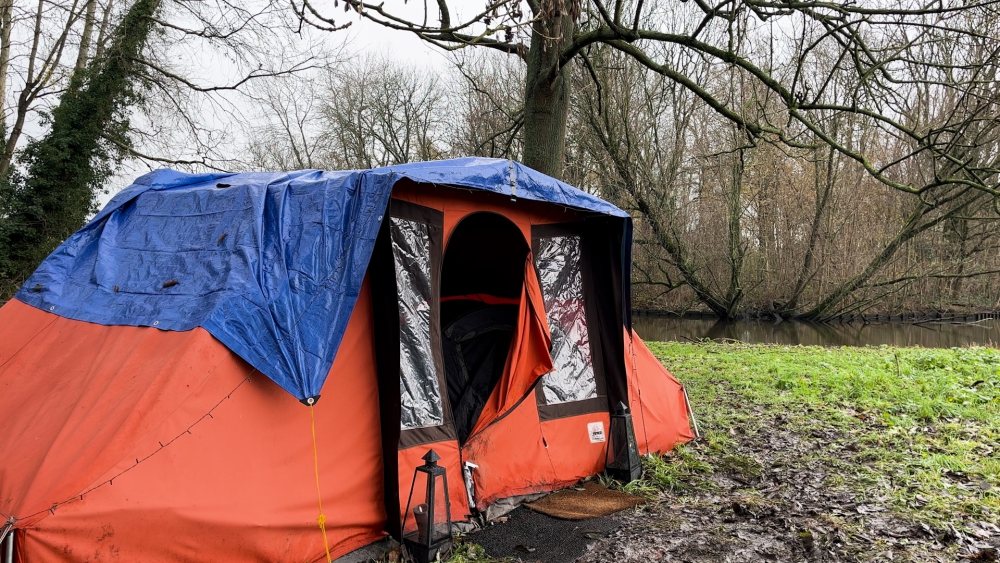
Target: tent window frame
433,219
598,404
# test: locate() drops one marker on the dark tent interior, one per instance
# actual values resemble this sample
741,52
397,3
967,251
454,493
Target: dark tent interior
481,281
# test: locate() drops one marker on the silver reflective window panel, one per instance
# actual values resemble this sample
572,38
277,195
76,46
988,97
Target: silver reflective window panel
419,393
558,265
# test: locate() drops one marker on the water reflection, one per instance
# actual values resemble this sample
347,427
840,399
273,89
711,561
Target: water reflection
983,333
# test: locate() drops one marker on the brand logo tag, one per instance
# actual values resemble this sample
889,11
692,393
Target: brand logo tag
596,432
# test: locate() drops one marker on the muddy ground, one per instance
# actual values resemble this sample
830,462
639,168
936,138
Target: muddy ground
785,498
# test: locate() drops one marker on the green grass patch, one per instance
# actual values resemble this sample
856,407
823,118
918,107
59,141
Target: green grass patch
681,470
466,552
920,427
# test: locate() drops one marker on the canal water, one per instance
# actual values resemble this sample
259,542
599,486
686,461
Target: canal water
927,334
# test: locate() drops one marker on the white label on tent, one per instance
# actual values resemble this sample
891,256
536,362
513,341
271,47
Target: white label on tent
596,432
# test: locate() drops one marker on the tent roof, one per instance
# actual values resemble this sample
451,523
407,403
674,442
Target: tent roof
270,263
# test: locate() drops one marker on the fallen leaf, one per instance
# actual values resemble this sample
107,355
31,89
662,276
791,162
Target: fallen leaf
988,554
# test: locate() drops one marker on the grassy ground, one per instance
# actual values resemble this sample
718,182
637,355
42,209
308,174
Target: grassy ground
823,454
829,454
921,426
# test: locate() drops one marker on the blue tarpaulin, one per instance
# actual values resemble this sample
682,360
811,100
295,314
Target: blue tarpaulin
270,264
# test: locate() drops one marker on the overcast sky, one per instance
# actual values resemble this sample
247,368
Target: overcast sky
362,36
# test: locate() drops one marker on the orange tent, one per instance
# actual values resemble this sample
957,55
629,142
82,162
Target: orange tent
490,324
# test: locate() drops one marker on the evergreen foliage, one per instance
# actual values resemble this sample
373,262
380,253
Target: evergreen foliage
87,140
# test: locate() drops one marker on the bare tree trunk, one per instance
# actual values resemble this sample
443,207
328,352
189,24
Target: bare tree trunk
960,227
6,13
102,33
88,32
823,190
546,96
734,237
913,227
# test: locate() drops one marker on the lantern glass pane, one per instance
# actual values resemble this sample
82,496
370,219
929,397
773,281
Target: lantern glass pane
442,519
619,442
415,522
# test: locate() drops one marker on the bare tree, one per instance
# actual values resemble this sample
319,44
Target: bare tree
288,131
885,48
379,113
155,103
38,37
210,60
793,159
45,43
724,207
487,88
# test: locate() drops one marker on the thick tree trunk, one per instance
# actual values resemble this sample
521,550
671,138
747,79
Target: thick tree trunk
546,96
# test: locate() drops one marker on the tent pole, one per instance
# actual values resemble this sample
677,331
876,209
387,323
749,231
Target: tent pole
7,547
9,551
694,422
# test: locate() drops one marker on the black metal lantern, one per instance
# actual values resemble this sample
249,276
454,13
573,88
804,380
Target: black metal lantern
622,460
430,509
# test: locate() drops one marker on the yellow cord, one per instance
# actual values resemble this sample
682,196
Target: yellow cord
319,496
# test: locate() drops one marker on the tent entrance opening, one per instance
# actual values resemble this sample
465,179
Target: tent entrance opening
481,282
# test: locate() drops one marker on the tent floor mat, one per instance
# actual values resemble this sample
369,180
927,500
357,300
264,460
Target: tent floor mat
527,536
592,501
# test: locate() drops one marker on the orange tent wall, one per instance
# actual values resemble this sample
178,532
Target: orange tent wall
519,454
568,444
135,444
656,400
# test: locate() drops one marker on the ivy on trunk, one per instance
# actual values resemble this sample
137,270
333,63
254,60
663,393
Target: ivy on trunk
63,171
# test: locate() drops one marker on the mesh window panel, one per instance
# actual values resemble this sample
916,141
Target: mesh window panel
558,265
420,396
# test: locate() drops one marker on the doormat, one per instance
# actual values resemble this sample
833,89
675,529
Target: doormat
592,501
